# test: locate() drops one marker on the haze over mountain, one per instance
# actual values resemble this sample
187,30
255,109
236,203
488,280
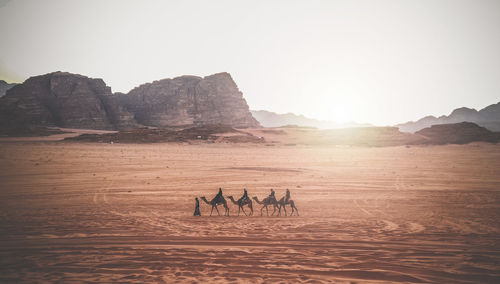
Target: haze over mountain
272,119
488,117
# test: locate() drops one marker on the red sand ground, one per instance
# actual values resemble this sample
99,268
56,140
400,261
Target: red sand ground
123,213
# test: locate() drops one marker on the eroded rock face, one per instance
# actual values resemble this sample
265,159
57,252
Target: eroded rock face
189,100
64,100
4,86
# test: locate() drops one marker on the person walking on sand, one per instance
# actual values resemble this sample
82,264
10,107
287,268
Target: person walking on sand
197,207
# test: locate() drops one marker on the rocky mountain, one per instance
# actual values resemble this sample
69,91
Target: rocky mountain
272,119
4,86
75,101
64,100
488,117
189,100
458,133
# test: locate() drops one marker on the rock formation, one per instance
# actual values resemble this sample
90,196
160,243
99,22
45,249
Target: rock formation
189,100
4,86
458,133
63,100
488,117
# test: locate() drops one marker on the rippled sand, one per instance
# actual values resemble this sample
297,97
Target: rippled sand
123,213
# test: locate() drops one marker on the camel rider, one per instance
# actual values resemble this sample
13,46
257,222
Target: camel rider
219,197
245,195
287,196
271,195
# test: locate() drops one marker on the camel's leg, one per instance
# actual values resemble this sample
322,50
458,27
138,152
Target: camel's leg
284,209
217,210
251,209
227,209
212,210
242,209
267,211
292,204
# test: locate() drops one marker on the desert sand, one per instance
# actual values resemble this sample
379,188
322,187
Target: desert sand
72,212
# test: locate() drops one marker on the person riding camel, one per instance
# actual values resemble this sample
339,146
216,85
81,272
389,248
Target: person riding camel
219,195
271,195
245,195
287,196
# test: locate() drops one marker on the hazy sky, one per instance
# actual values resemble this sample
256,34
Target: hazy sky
381,62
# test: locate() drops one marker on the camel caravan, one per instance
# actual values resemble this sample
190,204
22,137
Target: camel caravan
245,200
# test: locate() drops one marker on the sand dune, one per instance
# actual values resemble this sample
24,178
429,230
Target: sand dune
123,213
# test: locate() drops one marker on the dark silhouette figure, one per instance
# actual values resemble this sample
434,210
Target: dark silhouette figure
285,200
242,202
217,200
287,196
245,195
219,197
268,201
197,207
271,195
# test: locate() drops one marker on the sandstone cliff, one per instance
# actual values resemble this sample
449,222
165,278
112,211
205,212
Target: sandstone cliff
189,100
64,100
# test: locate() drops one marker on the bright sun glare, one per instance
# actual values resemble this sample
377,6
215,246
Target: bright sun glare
341,109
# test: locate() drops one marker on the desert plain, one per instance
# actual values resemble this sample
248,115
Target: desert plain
94,212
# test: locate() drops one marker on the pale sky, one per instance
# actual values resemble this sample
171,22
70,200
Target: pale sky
381,62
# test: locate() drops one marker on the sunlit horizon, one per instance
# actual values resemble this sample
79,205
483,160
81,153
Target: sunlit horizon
379,62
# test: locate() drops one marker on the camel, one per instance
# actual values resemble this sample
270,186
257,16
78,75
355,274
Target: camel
242,203
266,202
214,204
282,203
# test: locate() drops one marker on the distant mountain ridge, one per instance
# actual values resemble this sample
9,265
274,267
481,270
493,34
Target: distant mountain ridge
272,119
488,117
